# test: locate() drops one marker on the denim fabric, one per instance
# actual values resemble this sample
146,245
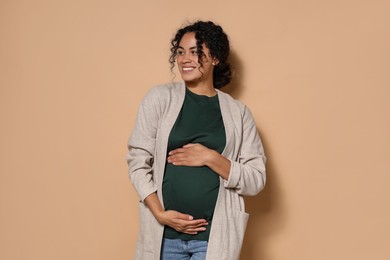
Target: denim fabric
177,249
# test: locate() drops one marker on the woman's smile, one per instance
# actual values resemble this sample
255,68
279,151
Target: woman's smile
187,69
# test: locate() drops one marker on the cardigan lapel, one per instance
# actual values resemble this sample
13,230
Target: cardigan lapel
227,121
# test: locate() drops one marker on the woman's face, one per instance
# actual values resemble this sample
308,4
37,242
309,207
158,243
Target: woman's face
187,61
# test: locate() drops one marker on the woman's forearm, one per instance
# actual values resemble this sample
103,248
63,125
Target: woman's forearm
154,204
219,164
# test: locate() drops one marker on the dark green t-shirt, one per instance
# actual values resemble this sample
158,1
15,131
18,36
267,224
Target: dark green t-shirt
194,190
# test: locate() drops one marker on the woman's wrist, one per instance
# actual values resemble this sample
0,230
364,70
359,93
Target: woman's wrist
153,203
159,215
218,163
211,157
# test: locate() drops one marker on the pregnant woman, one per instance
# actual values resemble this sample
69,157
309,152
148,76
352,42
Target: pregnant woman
193,153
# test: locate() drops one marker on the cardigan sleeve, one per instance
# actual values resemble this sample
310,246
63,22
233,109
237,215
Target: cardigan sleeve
141,147
247,174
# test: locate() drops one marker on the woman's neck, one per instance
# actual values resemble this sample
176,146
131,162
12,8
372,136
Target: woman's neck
202,89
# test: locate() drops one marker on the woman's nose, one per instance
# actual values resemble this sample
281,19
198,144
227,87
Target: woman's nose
186,58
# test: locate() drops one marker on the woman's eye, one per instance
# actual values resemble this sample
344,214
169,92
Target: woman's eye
180,52
194,53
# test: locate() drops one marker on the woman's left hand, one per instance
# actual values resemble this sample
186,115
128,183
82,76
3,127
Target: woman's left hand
191,155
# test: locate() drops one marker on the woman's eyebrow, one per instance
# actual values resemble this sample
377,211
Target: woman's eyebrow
191,48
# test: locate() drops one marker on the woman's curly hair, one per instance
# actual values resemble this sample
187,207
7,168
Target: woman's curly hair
216,40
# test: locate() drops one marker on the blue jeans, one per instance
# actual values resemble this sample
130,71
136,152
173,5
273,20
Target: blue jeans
177,249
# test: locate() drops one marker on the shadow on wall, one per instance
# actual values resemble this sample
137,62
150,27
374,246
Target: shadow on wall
265,209
235,87
266,214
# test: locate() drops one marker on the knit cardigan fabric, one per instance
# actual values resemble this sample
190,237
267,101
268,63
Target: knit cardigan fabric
146,159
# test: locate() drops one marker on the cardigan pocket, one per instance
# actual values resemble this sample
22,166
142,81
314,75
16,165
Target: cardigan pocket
237,229
227,237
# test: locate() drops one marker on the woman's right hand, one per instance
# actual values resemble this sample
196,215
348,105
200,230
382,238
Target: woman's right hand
181,222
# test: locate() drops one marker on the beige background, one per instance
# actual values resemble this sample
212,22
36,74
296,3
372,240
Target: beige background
314,73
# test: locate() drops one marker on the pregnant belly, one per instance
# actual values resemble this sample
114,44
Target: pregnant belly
191,190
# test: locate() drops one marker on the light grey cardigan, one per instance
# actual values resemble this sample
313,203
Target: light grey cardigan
147,157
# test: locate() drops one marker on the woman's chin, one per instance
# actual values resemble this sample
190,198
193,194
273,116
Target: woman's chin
190,81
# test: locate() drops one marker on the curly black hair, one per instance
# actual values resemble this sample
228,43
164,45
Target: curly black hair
216,41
